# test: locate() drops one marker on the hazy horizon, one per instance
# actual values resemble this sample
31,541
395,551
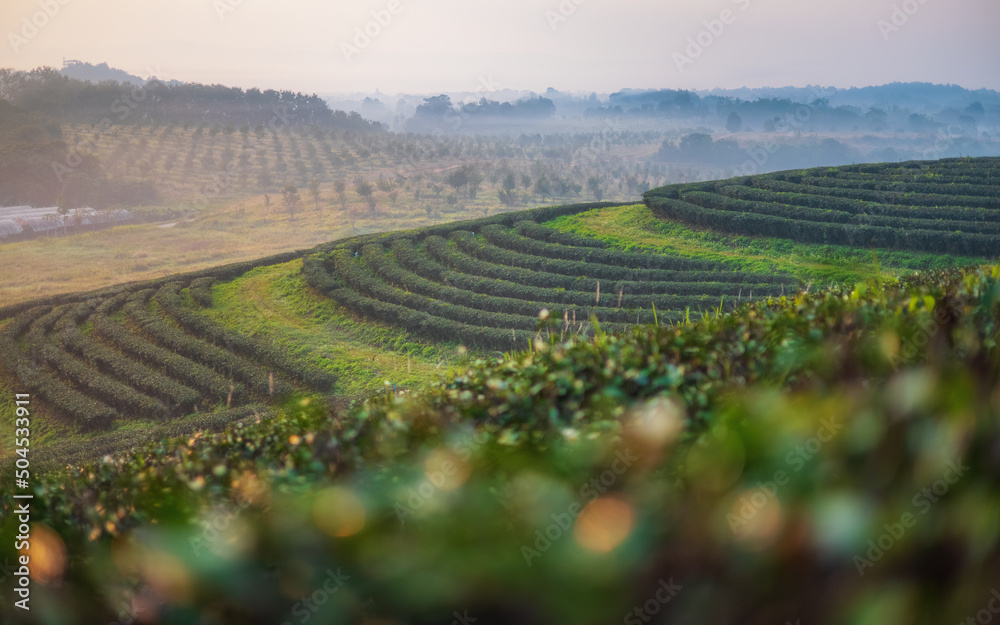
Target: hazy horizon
531,45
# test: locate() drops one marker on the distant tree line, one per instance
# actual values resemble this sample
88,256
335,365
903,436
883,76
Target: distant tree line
439,114
799,113
749,159
50,94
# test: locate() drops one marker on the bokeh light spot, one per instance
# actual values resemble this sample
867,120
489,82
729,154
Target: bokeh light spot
755,518
339,512
603,524
47,553
445,469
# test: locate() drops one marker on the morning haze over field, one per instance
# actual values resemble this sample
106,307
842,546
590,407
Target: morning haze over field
572,45
537,311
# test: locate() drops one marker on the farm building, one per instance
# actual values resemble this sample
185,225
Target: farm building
9,228
25,222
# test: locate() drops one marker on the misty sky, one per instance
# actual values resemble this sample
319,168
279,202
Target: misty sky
460,45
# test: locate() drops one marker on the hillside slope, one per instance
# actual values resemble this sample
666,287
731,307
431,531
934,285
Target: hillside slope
114,367
824,458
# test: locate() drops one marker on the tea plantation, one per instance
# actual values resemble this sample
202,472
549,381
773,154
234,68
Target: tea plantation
634,436
945,206
487,288
140,351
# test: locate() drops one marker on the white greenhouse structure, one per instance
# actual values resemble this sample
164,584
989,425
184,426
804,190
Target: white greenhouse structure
24,222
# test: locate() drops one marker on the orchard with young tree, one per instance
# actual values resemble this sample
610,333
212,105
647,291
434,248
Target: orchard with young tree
366,190
290,198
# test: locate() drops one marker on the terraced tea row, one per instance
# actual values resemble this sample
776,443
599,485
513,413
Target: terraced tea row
487,287
143,353
950,206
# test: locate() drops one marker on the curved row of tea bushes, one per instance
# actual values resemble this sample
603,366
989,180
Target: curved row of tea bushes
912,206
257,379
169,299
486,285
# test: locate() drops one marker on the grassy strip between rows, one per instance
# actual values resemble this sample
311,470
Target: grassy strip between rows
276,303
634,227
172,304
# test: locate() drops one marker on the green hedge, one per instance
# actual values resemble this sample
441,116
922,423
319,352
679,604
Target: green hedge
176,340
223,273
358,276
578,305
985,178
168,297
858,207
744,223
636,294
432,327
125,399
963,194
112,362
108,390
490,253
37,379
20,323
654,291
532,230
783,182
725,202
215,388
201,291
452,257
546,213
317,275
501,237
